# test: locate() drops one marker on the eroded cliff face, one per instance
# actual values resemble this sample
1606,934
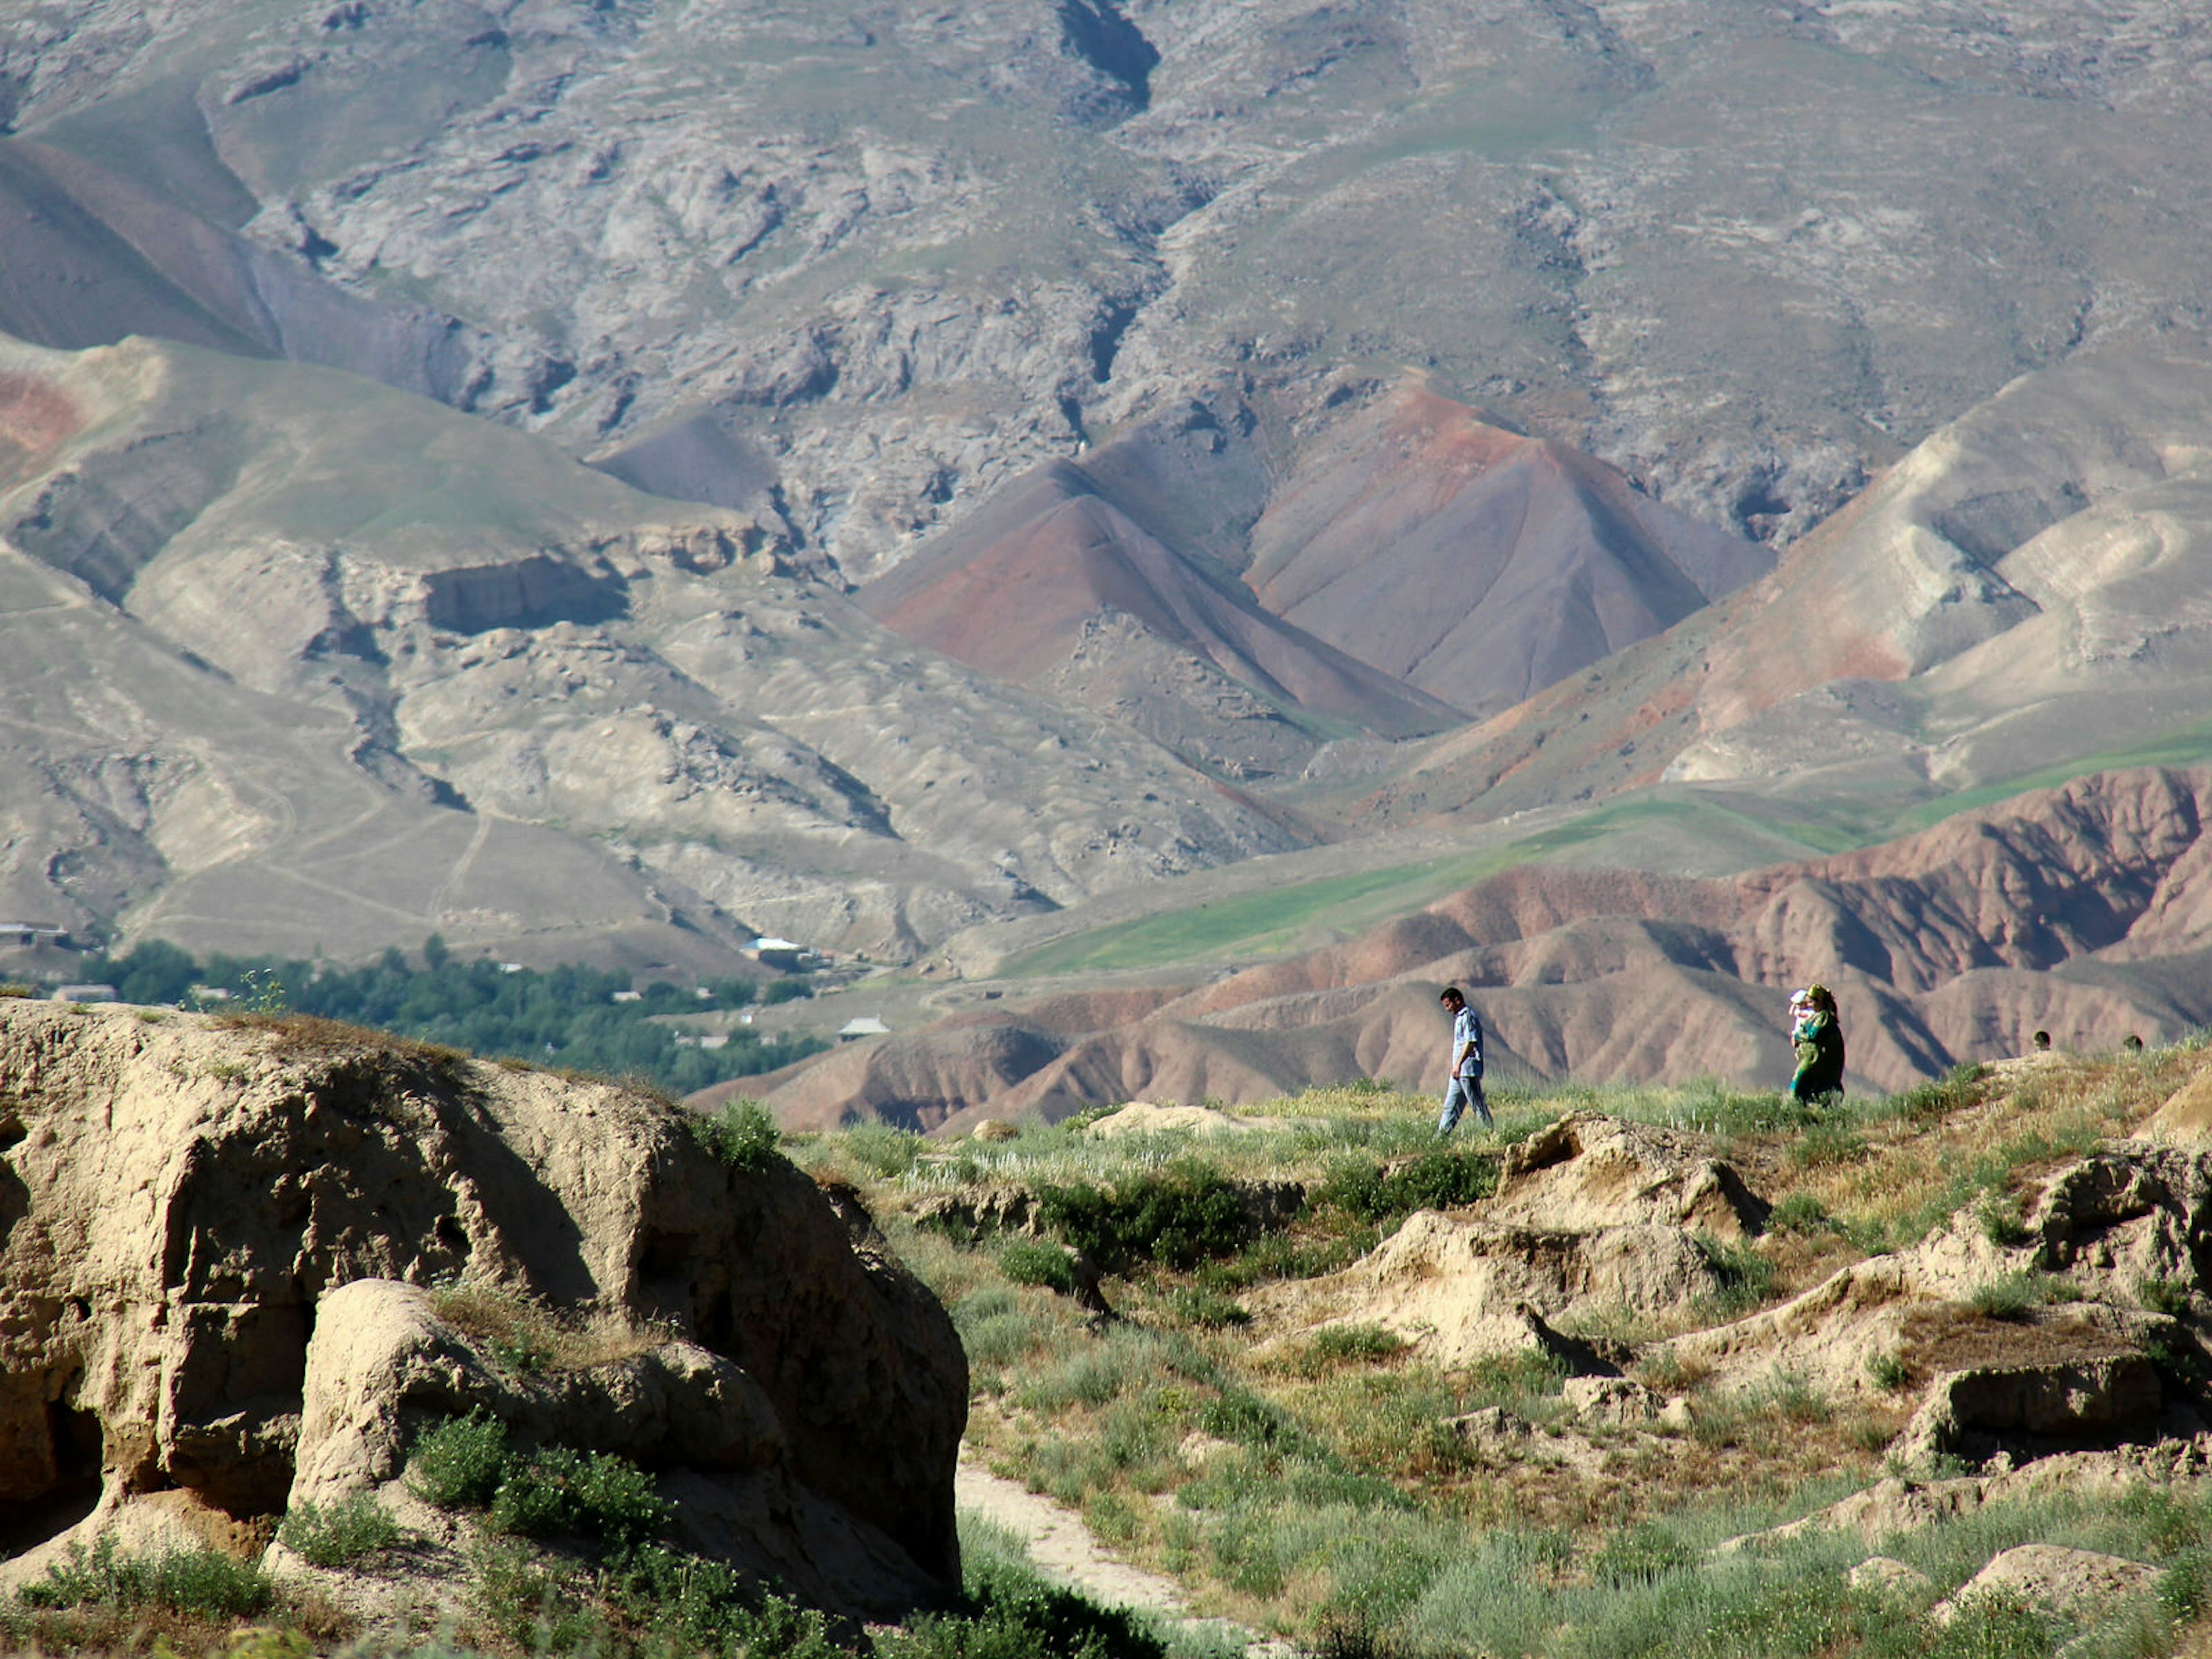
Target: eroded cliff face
212,1295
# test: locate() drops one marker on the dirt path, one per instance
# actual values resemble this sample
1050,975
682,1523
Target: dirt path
1063,1550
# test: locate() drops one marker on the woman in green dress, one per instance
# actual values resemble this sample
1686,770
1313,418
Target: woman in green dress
1819,1035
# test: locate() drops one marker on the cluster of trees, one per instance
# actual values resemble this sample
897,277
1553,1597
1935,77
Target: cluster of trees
565,1017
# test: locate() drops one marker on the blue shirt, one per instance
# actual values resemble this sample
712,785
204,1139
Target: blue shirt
1466,1031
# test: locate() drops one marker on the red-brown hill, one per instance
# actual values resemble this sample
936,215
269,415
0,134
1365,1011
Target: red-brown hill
1477,564
1054,585
2084,911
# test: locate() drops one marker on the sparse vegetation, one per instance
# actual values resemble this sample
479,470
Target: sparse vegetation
340,1536
1178,1216
744,1136
205,1583
1335,1483
1025,1262
459,1463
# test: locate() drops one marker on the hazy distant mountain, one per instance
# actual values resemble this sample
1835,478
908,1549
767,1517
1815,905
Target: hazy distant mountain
2018,601
1237,390
1477,564
907,252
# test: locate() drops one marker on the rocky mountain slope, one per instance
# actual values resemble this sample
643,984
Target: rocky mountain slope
1744,254
221,1243
944,302
2078,911
1471,563
296,659
1478,564
2012,603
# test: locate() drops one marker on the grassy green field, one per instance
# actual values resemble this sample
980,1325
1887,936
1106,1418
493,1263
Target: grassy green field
2189,746
1252,925
1280,920
1259,924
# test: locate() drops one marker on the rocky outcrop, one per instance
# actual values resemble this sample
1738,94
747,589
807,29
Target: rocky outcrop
1979,1411
220,1239
1594,1219
1588,1171
2053,1578
2082,1333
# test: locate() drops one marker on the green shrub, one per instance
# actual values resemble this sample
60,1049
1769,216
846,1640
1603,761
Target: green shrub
1246,1419
2010,1297
533,1599
345,1532
1007,1612
1278,1255
744,1136
1640,1555
558,1491
1823,1145
1179,1217
1196,1304
202,1582
1888,1372
1356,1344
2166,1296
1958,1089
457,1464
887,1152
1999,1214
706,1606
1747,1278
1800,1212
1435,1179
1517,1381
1030,1262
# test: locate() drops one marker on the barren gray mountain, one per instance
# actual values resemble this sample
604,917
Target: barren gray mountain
894,255
292,659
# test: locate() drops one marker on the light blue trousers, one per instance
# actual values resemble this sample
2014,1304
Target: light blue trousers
1461,1093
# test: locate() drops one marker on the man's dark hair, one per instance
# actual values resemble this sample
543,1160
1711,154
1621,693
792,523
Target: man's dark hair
1451,993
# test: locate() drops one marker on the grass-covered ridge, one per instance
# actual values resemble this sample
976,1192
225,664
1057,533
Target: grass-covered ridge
1333,1486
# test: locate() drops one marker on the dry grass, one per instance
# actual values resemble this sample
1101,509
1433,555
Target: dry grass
521,1333
312,1035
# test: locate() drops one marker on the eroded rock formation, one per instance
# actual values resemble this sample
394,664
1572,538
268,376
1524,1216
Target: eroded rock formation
218,1238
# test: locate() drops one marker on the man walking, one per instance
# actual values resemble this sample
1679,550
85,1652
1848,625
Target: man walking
1465,1088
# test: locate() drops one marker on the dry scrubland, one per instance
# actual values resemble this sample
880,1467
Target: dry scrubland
1563,1387
1236,1422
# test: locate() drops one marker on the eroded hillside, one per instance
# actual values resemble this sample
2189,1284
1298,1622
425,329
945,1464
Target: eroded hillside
2076,911
294,658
